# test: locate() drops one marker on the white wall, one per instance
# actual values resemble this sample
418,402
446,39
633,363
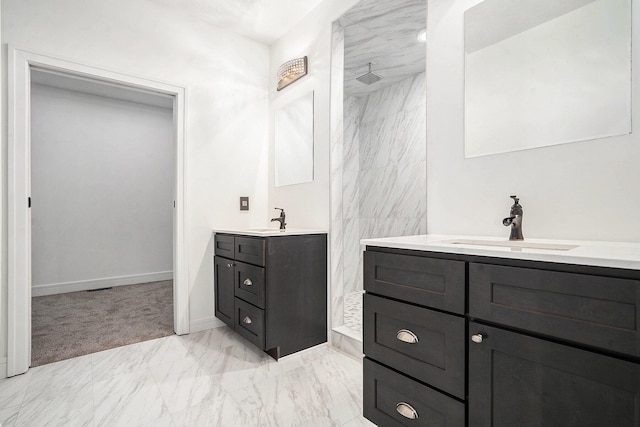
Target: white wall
307,204
102,191
226,126
586,190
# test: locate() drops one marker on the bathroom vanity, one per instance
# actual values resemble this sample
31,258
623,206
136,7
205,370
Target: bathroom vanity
271,287
468,332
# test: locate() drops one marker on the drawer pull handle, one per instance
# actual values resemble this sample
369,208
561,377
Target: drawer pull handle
247,282
407,411
407,336
477,338
247,320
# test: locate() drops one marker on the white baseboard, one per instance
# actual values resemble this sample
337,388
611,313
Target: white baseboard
205,324
3,367
85,285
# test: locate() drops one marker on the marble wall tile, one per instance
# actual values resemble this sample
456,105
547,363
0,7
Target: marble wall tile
416,91
346,344
376,140
336,183
350,195
410,192
351,136
383,103
411,141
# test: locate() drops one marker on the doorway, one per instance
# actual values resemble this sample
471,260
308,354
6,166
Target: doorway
23,66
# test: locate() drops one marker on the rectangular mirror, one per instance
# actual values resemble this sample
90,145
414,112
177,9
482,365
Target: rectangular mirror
545,72
294,142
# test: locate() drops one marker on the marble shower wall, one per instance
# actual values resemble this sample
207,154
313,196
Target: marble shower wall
384,169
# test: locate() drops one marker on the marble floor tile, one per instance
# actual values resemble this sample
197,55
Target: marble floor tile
326,392
222,411
359,421
212,378
71,406
117,361
58,377
129,399
185,383
163,350
12,390
8,415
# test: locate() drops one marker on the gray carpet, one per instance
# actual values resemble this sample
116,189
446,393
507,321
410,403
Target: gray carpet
76,323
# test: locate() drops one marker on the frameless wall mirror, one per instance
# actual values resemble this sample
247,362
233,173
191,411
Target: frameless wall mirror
294,142
545,72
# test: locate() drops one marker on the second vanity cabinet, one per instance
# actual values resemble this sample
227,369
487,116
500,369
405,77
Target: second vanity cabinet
522,343
273,290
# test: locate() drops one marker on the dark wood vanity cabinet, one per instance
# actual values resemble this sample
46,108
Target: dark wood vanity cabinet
538,344
273,290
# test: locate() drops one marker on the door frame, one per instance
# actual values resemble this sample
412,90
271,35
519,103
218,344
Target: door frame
19,190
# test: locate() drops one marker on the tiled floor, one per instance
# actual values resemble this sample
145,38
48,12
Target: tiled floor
353,310
210,378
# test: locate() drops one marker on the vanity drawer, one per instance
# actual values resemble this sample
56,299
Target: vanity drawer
425,344
251,250
431,282
593,310
387,392
225,245
249,283
249,322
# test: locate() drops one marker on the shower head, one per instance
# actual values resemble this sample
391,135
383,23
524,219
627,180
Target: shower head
370,77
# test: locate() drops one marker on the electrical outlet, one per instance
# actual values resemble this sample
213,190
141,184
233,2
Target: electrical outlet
244,203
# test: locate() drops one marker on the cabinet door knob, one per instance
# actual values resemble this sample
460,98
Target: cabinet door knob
247,282
407,411
247,320
407,336
477,338
229,265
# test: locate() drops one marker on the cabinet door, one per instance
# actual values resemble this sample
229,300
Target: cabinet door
223,289
518,380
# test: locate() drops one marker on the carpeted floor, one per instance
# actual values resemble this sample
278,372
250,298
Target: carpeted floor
77,323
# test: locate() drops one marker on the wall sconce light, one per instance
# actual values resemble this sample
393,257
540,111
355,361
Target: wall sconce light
291,71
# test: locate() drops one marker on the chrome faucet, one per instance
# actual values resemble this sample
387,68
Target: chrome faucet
280,219
514,220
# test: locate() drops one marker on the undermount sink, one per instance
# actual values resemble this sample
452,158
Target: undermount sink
513,244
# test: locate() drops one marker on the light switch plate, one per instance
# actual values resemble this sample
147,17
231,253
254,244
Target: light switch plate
244,203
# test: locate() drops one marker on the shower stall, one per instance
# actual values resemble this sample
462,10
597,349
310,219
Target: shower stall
378,144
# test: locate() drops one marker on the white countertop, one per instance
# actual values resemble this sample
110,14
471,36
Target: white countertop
264,232
601,254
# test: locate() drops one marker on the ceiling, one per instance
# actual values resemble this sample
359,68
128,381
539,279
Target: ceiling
262,20
385,33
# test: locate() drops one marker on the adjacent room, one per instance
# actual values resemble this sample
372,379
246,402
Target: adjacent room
102,179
